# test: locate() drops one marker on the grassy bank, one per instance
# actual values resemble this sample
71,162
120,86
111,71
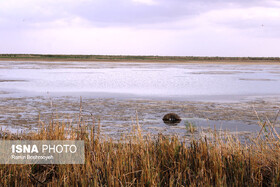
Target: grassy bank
123,58
144,161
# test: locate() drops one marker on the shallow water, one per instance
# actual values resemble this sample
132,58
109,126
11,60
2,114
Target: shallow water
157,80
197,92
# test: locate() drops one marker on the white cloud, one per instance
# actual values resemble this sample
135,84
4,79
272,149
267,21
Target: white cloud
146,2
156,27
253,13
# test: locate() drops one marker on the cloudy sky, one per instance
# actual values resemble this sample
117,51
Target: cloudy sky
141,27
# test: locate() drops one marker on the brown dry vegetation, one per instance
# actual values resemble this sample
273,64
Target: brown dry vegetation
142,161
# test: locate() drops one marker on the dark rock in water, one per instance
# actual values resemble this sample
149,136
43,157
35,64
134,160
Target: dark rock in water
171,119
171,123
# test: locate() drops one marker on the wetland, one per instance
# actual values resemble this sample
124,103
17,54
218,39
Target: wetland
233,97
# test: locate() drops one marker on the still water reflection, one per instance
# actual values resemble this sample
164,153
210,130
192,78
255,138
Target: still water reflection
140,79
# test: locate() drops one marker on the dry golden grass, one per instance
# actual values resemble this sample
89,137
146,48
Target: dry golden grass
139,161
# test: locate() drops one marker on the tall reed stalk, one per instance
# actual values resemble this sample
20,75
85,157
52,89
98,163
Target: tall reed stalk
143,161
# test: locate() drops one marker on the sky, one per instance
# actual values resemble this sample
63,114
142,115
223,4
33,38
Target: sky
141,27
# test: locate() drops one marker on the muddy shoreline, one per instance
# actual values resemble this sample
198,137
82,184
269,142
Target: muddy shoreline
117,116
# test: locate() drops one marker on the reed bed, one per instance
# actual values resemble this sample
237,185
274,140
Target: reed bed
136,160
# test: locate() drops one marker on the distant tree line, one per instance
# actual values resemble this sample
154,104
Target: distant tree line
123,57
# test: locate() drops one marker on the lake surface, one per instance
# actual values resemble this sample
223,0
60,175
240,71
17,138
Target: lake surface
225,96
157,80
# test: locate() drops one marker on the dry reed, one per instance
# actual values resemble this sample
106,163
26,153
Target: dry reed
142,161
